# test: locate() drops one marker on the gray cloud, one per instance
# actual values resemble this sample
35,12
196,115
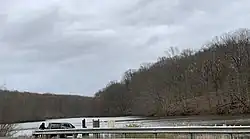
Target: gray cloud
78,46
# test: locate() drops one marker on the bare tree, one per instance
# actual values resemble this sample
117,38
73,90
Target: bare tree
205,79
238,55
7,130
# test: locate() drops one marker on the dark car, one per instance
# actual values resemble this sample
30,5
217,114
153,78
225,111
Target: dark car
61,126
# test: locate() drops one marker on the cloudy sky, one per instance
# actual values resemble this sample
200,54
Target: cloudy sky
78,46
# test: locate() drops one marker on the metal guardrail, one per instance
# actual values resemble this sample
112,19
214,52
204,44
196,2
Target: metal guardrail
153,130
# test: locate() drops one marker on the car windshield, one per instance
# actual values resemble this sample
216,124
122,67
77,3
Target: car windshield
72,125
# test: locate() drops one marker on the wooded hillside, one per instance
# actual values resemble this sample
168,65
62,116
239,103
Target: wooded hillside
24,106
212,80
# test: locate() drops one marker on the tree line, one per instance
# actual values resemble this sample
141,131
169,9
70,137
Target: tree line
212,80
25,106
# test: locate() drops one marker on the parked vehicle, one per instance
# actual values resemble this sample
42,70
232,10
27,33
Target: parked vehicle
57,125
60,126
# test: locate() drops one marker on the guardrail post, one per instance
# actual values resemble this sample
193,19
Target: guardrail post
155,135
96,124
124,135
231,135
192,136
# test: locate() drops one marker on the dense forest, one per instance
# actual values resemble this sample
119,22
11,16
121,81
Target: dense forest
24,106
212,80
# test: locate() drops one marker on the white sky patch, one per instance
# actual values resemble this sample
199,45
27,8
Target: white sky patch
78,46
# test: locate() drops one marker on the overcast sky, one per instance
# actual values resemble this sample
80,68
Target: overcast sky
78,46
